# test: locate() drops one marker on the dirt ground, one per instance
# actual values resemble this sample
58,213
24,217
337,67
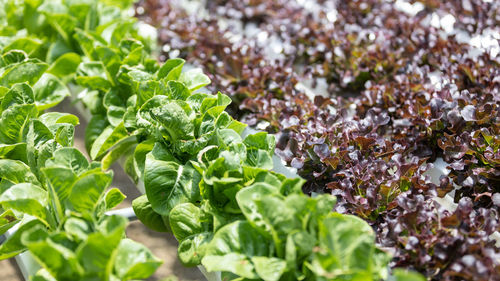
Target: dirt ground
163,245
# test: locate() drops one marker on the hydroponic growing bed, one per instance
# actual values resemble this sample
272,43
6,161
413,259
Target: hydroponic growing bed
277,140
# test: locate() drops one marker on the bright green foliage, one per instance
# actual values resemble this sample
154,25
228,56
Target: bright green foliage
64,225
54,194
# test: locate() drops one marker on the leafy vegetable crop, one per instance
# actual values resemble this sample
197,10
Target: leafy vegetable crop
49,190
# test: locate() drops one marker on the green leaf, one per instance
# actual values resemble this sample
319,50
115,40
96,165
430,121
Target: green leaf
193,248
92,75
146,214
269,269
60,182
129,167
268,212
28,45
246,198
65,134
57,15
16,172
13,151
191,227
141,150
122,4
28,71
135,75
88,189
261,140
14,56
178,90
169,184
65,65
87,42
69,157
92,100
107,139
110,59
13,246
7,220
40,145
233,246
42,275
52,119
19,94
83,11
171,69
134,50
49,92
13,122
144,115
185,220
56,49
145,90
115,114
124,147
222,180
3,90
194,79
173,117
299,245
96,253
96,126
134,261
215,105
78,228
113,198
130,118
259,158
294,185
237,126
231,262
348,252
28,199
196,100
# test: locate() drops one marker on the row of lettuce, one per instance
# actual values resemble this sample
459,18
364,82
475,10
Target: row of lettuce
205,183
51,192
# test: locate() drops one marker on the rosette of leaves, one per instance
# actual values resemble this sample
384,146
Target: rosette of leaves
115,84
283,235
470,143
442,244
185,130
62,222
141,99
